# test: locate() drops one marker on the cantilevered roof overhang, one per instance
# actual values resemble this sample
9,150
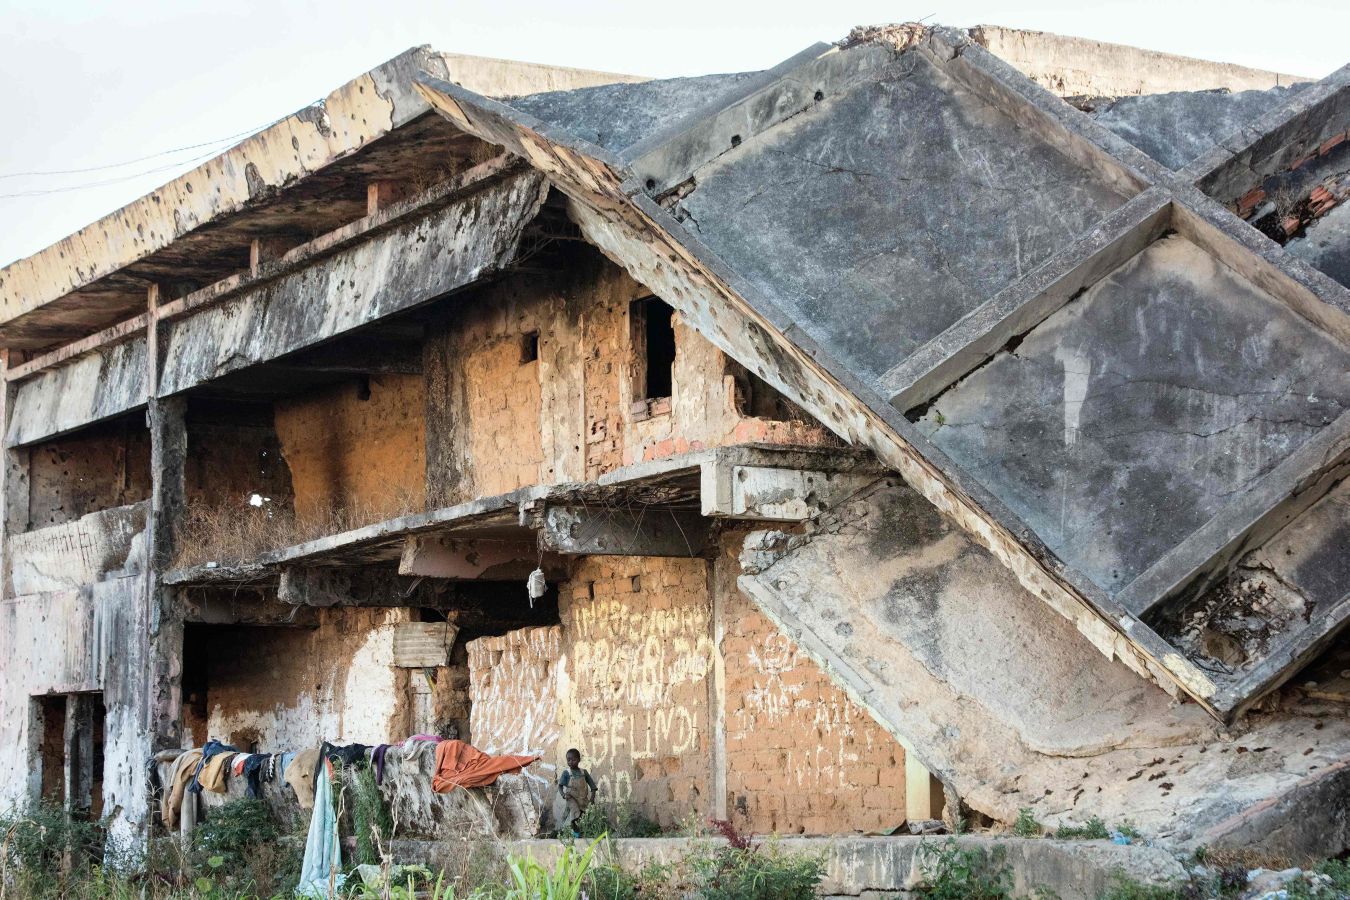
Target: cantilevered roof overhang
930,254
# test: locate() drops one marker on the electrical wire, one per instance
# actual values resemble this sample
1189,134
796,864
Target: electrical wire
139,159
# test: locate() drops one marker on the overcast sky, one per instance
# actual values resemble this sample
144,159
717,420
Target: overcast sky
89,84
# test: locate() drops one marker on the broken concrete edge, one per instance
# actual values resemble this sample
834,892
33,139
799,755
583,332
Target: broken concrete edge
1271,502
854,864
365,109
1309,820
1285,661
1239,162
476,178
520,502
368,107
1104,67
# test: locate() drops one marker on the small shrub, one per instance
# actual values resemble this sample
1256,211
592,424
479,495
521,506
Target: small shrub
39,836
1026,825
1094,829
234,830
1125,888
620,820
759,873
953,872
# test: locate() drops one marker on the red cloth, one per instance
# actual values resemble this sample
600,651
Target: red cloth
237,764
459,765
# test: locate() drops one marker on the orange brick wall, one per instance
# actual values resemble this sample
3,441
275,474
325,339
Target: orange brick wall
801,756
496,423
634,680
362,456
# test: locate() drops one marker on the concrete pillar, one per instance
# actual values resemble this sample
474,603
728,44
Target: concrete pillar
923,792
166,417
14,475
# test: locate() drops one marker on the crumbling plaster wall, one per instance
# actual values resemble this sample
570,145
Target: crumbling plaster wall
513,691
356,453
92,639
499,419
288,688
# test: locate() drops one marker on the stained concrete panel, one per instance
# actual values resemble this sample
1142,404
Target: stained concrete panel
1326,244
1130,417
615,116
84,390
1177,128
406,265
880,216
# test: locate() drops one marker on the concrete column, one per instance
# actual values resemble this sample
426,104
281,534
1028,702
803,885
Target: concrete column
14,475
163,620
79,743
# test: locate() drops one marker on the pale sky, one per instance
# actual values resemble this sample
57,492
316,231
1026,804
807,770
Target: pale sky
89,84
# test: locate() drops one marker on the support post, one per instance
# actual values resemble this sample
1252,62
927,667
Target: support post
163,620
923,792
14,475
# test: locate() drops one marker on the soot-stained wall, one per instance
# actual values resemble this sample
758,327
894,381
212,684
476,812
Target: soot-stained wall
356,449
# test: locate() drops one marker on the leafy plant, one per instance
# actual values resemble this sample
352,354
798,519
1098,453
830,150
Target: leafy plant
234,830
620,820
41,835
1026,825
532,881
370,816
1094,829
953,872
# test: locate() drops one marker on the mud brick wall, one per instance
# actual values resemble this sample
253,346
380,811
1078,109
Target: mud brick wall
801,757
363,456
635,680
513,685
227,463
500,418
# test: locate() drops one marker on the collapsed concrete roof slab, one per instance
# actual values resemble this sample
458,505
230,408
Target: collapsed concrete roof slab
998,696
673,210
55,294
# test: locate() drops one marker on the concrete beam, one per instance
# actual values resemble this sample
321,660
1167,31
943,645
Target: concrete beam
436,556
409,264
622,531
348,586
80,391
774,494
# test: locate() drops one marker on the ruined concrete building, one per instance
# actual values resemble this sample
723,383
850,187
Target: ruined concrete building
939,423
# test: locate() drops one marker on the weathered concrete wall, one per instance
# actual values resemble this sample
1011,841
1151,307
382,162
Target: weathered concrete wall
92,639
73,554
361,456
97,468
291,688
86,389
498,420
